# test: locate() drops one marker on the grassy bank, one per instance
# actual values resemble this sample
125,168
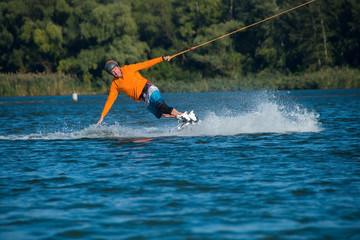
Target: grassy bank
42,84
60,84
331,78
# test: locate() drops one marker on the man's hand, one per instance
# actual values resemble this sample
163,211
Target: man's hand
166,58
100,120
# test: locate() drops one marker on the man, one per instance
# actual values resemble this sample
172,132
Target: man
128,80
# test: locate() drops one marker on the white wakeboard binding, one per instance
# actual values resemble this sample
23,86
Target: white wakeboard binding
187,119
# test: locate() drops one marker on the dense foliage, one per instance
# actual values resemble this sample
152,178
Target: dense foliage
77,37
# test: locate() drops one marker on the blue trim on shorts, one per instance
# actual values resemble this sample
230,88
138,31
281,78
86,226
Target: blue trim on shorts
154,101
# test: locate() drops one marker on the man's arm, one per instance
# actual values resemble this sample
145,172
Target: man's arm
100,120
110,101
149,63
166,58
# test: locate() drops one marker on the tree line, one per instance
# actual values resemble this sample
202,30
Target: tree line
77,37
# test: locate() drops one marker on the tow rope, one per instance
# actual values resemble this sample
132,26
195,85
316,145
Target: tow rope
251,25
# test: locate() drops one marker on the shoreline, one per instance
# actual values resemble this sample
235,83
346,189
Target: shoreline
57,84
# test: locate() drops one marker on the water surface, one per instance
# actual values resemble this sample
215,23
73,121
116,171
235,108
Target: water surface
278,165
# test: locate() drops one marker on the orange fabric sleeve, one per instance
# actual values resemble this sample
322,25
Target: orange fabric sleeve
146,64
111,99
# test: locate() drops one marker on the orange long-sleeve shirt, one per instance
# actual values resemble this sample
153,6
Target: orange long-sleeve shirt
131,83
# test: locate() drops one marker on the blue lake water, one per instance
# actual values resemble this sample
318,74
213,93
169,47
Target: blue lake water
260,165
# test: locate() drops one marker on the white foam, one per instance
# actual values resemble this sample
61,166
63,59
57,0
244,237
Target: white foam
267,118
268,115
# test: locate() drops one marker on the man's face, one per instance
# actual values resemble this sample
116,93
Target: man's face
116,72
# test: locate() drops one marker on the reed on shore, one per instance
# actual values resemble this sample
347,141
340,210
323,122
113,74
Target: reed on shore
42,84
45,84
330,78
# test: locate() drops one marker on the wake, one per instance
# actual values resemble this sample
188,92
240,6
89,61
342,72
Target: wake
267,116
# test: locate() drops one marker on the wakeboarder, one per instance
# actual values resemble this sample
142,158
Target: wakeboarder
128,80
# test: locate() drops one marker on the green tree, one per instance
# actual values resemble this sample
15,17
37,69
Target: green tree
220,57
309,45
153,19
78,37
346,40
